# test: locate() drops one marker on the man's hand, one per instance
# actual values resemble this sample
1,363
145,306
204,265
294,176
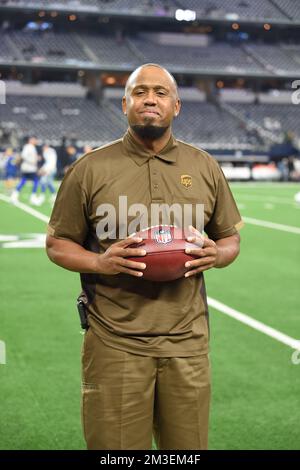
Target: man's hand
114,261
211,254
72,256
207,253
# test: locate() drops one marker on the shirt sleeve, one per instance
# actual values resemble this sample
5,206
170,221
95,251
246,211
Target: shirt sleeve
226,219
69,218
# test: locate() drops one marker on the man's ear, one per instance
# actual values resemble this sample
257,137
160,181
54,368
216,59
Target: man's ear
124,107
177,107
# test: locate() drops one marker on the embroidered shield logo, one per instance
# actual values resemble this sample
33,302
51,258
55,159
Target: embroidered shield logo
163,235
186,181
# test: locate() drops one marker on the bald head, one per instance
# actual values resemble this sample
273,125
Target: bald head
156,69
151,102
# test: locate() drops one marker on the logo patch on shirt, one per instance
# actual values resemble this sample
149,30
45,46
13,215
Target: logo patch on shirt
186,181
163,235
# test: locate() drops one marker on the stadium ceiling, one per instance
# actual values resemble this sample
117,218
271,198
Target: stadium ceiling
138,15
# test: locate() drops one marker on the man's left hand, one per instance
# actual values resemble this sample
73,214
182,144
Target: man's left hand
207,253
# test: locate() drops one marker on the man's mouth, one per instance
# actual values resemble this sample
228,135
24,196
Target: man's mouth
149,112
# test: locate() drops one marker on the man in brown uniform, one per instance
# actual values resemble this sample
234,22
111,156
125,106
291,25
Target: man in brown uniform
145,355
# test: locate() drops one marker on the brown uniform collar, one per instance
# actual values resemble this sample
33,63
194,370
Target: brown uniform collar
140,155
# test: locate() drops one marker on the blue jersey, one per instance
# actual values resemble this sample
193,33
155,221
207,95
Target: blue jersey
10,168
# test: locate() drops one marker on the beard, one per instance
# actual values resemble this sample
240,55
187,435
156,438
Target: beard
148,131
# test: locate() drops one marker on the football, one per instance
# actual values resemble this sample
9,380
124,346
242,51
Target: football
165,257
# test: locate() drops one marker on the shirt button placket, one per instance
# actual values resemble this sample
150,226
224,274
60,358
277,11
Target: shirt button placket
154,179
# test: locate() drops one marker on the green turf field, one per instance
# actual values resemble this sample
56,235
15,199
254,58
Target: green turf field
256,386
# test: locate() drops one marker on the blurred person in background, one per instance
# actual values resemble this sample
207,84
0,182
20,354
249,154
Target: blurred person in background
70,157
10,162
87,148
47,172
29,171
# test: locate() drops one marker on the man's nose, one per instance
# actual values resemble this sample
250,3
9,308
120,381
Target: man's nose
150,98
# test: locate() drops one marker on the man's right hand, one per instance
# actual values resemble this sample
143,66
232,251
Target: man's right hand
70,255
114,261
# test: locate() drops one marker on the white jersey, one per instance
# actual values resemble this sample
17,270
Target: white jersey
29,159
50,157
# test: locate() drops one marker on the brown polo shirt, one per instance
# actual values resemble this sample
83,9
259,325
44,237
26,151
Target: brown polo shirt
129,313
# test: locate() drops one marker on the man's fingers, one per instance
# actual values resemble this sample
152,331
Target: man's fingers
199,262
201,252
129,241
196,238
131,264
192,272
132,272
208,242
201,241
195,231
133,252
122,265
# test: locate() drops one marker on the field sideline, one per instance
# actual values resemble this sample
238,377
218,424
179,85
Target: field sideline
256,385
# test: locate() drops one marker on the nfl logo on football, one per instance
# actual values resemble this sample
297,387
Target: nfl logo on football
163,235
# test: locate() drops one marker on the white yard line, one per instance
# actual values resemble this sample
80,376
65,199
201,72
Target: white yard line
257,325
272,225
25,208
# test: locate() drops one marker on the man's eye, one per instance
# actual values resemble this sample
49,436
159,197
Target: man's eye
139,92
161,93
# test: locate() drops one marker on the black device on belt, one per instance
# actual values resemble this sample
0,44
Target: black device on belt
82,314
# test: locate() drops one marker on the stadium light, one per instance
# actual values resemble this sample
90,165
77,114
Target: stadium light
185,15
110,80
232,16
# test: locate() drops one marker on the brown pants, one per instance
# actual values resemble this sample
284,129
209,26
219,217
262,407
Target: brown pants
126,398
